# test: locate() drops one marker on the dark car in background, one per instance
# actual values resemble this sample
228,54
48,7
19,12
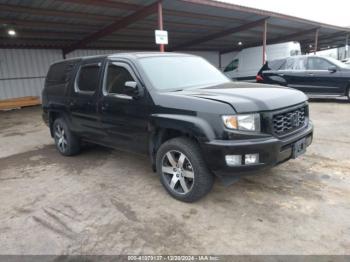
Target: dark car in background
313,75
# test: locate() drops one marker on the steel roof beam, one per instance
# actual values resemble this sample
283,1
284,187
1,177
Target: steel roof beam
53,13
111,4
167,12
221,34
323,42
115,26
29,25
235,7
276,40
331,36
106,3
293,36
34,25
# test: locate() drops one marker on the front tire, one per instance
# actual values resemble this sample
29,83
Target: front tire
182,170
66,142
348,93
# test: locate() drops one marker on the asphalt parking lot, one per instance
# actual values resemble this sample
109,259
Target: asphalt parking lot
109,202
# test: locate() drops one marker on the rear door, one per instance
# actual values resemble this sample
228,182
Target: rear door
83,100
287,72
124,118
320,80
269,73
294,73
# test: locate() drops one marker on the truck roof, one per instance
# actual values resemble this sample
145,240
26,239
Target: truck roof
146,54
132,55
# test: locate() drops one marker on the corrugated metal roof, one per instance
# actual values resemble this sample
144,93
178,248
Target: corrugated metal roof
61,23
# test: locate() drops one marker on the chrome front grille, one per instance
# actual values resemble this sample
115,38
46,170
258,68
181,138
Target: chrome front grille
289,121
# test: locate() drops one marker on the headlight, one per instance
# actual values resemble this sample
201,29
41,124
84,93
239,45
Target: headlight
249,122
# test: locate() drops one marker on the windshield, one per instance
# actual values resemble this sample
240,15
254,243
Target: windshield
167,73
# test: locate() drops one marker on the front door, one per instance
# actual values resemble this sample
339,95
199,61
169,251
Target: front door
124,117
321,80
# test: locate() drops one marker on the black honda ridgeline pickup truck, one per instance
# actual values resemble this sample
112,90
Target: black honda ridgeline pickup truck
190,119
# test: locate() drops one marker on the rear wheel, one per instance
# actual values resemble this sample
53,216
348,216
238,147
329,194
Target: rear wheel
348,93
66,142
182,170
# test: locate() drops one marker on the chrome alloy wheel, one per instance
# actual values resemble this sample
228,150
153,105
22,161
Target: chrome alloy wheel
61,138
178,172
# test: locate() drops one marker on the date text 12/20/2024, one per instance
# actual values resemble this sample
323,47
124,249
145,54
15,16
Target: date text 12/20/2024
173,258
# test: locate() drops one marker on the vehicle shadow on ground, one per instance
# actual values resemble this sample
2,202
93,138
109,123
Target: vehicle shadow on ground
133,168
273,180
284,180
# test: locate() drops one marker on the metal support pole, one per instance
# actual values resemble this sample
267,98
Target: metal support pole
160,22
264,41
316,41
347,46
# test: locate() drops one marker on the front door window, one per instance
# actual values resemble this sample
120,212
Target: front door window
316,63
117,75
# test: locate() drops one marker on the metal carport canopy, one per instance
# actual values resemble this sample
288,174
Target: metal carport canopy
197,25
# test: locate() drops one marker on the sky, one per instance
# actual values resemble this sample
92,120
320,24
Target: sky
334,12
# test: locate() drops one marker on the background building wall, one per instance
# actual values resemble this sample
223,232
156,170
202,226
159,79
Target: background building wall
23,71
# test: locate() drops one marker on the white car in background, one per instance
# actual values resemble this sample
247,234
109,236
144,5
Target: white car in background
246,64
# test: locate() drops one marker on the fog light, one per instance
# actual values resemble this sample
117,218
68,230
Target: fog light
233,160
251,159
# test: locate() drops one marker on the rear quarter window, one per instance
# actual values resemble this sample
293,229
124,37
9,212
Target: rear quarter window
59,74
277,64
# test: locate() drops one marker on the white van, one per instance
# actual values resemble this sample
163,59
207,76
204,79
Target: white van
246,64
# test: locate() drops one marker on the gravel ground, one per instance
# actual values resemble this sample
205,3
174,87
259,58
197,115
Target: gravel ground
105,201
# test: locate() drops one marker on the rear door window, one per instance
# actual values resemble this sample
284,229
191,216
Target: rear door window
295,63
289,64
300,63
88,78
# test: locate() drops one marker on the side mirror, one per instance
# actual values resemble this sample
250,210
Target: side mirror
332,69
130,88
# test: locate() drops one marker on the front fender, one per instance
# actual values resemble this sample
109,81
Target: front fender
192,125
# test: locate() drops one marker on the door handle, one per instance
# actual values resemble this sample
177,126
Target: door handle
281,74
310,74
104,107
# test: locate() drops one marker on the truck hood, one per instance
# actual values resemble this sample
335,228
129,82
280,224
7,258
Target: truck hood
248,97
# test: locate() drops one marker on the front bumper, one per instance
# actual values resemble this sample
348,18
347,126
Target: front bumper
271,150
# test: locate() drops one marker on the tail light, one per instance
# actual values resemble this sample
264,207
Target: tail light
259,78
